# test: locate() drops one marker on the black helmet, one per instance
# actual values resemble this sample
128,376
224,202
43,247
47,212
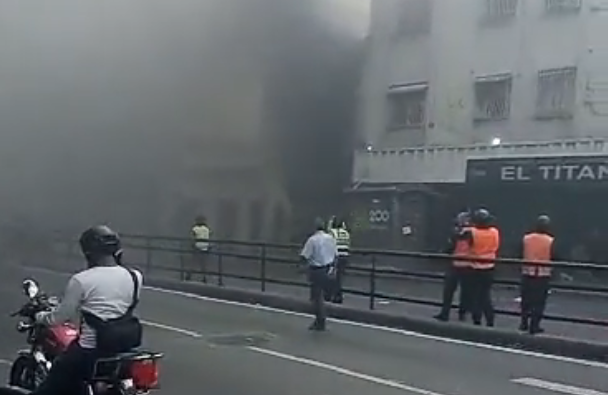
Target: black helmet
543,222
100,241
482,217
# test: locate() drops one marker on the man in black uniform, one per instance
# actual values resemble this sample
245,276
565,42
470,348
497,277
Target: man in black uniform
459,269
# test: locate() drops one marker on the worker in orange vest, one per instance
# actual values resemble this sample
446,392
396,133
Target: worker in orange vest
459,268
484,242
537,250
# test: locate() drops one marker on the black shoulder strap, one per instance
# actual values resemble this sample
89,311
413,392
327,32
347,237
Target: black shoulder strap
135,300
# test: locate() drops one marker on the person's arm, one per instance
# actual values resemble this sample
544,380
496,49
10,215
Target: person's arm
466,235
451,244
306,252
555,254
69,307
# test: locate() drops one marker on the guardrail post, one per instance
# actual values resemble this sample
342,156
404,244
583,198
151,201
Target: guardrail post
220,267
372,284
263,269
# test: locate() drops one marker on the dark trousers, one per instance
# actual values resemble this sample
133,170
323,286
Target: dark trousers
335,290
69,372
197,265
320,282
534,293
455,277
480,290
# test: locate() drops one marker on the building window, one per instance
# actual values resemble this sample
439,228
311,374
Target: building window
493,97
501,8
407,106
556,93
559,6
414,17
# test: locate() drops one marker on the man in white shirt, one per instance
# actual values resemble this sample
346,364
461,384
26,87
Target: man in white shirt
106,291
319,253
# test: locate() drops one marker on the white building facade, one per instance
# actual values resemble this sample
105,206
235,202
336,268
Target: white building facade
443,79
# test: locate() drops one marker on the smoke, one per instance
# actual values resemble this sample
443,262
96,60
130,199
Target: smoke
112,111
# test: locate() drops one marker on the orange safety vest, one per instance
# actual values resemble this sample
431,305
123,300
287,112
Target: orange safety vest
537,251
462,249
485,245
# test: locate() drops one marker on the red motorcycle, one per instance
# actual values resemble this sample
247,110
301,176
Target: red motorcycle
131,373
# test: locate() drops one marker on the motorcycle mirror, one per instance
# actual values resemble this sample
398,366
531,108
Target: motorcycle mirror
30,288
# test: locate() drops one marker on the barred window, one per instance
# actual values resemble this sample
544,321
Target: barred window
493,97
556,93
407,106
501,8
559,6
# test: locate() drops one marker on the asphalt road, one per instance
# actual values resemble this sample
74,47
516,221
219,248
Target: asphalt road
222,348
560,303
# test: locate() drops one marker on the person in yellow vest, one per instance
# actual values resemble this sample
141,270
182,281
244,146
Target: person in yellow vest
201,234
537,250
338,230
459,269
484,242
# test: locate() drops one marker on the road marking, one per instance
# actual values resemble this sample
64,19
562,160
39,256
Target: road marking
402,332
344,371
172,329
556,387
5,362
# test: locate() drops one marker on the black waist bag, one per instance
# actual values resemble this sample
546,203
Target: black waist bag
119,334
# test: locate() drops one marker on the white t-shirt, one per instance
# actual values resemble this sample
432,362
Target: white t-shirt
104,291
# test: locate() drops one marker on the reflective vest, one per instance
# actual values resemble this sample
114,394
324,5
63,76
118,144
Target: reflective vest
201,234
537,251
462,248
485,245
342,238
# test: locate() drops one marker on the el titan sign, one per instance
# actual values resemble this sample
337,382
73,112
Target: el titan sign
554,170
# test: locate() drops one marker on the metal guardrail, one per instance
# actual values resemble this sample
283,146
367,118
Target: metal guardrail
273,258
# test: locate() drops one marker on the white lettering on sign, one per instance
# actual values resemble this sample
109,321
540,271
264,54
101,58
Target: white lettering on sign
514,173
555,173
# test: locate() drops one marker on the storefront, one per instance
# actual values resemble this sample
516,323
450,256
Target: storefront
573,190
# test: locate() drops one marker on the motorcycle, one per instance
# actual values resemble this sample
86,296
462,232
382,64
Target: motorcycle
131,373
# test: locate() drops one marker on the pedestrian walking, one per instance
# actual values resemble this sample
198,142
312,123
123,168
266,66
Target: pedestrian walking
319,254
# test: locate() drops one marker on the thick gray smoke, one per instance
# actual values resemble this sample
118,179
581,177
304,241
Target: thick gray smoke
120,111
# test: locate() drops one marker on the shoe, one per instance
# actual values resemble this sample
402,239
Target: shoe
524,327
536,331
441,317
316,327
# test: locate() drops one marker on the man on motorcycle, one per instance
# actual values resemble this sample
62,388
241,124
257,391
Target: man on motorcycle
103,296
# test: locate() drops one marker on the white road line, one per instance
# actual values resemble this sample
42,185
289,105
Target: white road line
172,329
556,387
5,362
402,332
345,372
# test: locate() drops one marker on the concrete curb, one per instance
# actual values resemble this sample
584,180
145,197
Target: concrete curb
567,347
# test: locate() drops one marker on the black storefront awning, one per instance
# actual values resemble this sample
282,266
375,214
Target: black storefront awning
554,170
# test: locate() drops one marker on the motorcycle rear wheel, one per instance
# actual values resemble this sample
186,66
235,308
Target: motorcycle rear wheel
25,373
